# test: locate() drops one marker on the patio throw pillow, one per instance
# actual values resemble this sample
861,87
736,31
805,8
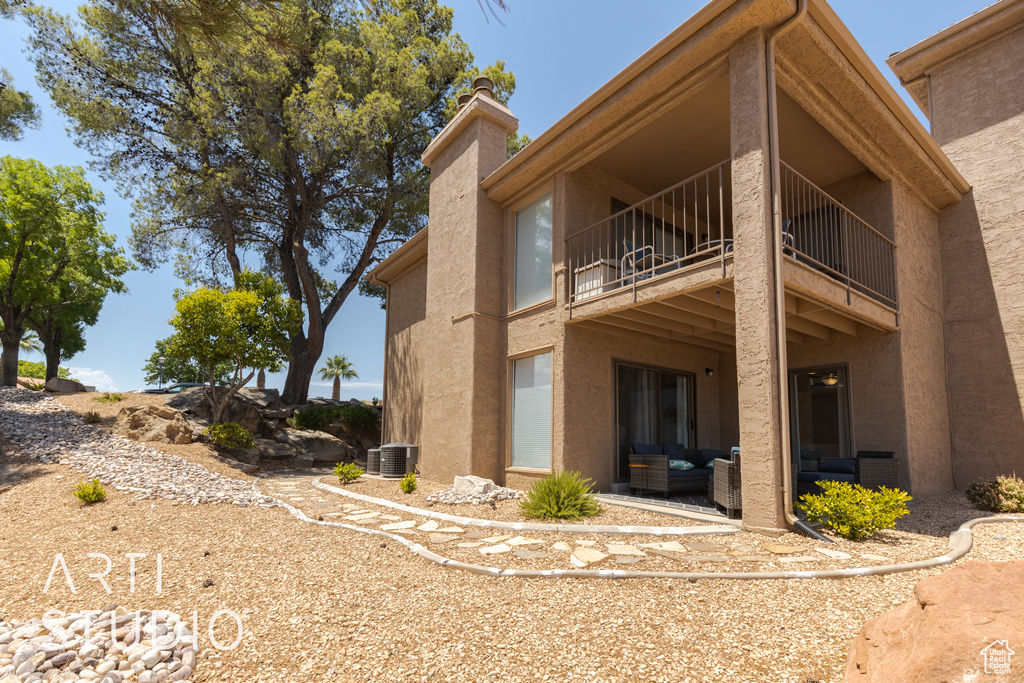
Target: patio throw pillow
680,465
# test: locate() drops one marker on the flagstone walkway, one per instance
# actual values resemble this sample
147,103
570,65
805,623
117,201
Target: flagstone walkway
521,549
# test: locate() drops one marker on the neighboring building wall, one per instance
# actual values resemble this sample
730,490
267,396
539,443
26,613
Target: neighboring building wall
406,356
978,118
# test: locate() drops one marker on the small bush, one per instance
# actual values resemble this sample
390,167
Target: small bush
108,397
347,472
91,417
560,495
316,418
1002,494
408,483
34,386
852,511
358,415
90,492
230,435
320,417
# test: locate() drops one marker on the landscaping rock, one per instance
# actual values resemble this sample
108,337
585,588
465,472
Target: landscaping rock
63,386
472,485
272,450
958,623
245,407
158,423
321,447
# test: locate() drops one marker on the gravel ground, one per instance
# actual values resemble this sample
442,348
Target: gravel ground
322,604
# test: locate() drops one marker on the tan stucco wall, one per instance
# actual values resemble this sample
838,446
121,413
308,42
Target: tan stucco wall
462,346
756,350
921,335
406,356
978,118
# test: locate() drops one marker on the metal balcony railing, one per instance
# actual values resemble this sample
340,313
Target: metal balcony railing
823,234
682,226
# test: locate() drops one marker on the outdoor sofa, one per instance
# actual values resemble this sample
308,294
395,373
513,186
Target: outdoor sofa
649,468
870,469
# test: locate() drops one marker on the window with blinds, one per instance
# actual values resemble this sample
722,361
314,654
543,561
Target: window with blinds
531,412
533,253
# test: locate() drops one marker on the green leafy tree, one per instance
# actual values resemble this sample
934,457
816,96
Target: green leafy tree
17,110
52,244
30,343
337,368
304,157
247,327
181,368
27,368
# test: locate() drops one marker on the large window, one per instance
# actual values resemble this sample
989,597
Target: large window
533,253
654,406
531,412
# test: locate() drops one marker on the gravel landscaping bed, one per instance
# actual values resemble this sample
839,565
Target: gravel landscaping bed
43,430
323,604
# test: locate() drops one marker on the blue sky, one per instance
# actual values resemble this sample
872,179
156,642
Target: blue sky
561,51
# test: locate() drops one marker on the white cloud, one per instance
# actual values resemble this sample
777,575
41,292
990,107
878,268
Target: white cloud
93,378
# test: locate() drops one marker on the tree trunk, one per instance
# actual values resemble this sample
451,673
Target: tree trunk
336,395
51,350
300,371
11,342
261,379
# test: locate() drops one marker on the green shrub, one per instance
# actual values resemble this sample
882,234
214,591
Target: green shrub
1002,494
34,386
315,417
408,483
90,492
560,495
108,397
320,417
27,368
852,511
91,417
358,415
347,472
230,435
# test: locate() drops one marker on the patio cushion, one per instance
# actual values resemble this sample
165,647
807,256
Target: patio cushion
686,474
705,455
648,449
838,465
681,465
677,451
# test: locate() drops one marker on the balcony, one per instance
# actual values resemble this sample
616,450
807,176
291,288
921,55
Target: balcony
689,226
679,228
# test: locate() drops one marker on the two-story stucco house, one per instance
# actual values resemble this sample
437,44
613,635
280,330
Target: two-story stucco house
746,238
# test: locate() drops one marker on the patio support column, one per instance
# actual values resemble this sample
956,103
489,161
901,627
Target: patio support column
757,356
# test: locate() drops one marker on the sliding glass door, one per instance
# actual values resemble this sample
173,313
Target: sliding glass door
653,406
820,413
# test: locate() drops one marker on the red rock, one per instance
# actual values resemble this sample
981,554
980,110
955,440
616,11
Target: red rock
941,635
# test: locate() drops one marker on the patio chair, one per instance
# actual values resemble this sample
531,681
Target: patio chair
641,258
727,488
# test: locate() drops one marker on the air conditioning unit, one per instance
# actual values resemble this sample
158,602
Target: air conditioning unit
373,461
398,459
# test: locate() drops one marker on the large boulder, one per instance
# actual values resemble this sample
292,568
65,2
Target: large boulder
958,624
63,386
153,423
320,446
245,407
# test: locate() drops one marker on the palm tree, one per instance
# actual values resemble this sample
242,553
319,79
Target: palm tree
261,376
339,368
30,342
